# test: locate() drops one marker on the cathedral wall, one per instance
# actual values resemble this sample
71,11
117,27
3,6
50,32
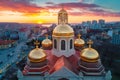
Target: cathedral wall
67,52
32,78
93,78
57,78
52,78
60,78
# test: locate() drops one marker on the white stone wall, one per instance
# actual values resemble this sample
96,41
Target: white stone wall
67,52
32,78
59,77
93,78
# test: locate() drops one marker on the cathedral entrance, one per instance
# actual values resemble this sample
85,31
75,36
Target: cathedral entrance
63,79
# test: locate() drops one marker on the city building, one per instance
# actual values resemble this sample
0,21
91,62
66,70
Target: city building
96,25
101,22
116,38
63,61
4,44
23,32
110,32
86,24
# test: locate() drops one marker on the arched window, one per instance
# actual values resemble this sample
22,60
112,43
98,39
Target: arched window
55,43
60,14
63,45
71,44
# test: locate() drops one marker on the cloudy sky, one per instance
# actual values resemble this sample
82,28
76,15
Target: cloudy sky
45,11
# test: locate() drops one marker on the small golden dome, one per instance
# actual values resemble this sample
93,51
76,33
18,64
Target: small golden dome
37,54
89,54
46,43
79,42
63,30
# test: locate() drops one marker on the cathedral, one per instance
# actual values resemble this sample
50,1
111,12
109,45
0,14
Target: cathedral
63,57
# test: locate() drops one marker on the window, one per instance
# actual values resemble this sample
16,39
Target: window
55,43
63,45
60,14
71,44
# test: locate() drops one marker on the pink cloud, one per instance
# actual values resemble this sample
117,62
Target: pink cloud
19,5
28,8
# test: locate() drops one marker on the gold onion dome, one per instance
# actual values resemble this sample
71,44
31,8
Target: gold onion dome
63,30
79,42
46,42
37,54
89,54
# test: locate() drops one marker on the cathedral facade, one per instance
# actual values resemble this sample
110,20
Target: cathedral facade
63,58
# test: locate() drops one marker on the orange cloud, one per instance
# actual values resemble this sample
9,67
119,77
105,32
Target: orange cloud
25,11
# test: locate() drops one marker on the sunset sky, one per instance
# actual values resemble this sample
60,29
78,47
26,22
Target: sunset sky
45,11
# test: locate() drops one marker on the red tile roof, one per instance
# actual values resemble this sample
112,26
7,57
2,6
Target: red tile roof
6,42
62,61
23,29
56,63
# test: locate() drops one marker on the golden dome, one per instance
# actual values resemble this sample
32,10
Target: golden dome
46,42
63,30
79,42
89,54
37,54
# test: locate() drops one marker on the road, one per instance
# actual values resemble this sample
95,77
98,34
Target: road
13,53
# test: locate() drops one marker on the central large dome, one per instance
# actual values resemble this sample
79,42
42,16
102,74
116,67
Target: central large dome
63,30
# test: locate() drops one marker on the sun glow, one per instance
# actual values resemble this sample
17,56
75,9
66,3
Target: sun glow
49,16
40,22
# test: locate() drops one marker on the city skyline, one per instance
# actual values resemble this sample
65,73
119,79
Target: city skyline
45,11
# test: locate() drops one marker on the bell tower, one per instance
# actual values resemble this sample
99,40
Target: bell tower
63,36
62,17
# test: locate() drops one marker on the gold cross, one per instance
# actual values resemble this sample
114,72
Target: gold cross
46,36
90,42
62,6
36,43
79,35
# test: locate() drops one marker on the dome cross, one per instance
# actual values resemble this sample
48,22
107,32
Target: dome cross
46,36
79,35
36,43
90,42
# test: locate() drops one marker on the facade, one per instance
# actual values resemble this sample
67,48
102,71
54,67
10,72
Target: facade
66,60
